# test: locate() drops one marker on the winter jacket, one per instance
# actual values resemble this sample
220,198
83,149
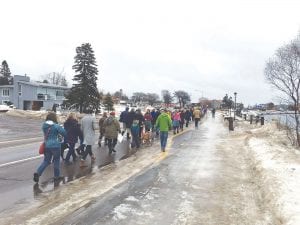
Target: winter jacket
112,127
123,116
128,119
188,115
73,131
197,113
176,116
101,124
182,114
148,117
88,126
163,122
53,131
135,129
140,118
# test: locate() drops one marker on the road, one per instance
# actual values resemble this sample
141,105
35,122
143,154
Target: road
205,177
19,145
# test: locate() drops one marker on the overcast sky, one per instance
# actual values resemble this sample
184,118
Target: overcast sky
207,48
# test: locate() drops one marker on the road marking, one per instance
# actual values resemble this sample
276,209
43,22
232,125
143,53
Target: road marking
164,155
19,161
18,140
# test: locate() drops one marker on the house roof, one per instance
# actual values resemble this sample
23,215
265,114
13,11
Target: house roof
6,86
39,84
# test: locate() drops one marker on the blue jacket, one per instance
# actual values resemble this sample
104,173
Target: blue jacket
52,139
135,129
123,116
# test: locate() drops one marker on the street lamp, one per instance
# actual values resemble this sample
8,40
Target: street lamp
234,104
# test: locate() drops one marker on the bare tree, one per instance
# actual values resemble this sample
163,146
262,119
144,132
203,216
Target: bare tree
152,98
55,78
182,97
167,97
282,71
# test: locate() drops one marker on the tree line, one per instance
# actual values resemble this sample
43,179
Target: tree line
84,93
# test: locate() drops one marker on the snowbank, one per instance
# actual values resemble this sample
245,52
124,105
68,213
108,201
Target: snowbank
278,165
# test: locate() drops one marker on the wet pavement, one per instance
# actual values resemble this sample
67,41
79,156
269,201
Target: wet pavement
205,177
13,127
20,159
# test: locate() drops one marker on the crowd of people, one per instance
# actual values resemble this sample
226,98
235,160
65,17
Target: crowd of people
136,127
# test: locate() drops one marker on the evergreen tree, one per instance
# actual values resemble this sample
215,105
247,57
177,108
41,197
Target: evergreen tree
84,91
5,74
108,102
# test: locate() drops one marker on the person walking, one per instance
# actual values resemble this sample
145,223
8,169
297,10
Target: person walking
51,130
102,129
213,112
154,118
128,119
164,124
112,128
73,130
197,116
88,124
182,112
139,116
135,131
187,117
176,121
148,120
123,118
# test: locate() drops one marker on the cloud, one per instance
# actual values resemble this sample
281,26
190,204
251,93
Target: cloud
207,48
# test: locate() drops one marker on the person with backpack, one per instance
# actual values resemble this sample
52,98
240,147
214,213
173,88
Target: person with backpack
52,130
135,131
139,116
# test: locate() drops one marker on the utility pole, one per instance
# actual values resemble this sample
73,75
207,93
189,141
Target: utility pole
234,105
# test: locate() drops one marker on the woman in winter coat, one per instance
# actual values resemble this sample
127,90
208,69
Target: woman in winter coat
148,120
73,130
51,131
139,116
176,121
112,128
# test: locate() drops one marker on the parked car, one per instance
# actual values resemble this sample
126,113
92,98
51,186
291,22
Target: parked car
4,108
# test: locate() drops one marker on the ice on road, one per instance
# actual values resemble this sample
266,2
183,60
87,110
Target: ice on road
205,177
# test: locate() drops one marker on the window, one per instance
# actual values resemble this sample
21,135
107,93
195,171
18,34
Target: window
59,93
20,89
5,92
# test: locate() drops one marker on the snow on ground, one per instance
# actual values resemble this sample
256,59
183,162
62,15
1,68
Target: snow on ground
277,164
